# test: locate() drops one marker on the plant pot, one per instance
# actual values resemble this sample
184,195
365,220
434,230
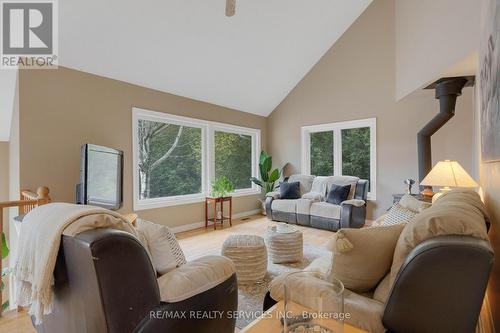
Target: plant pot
263,206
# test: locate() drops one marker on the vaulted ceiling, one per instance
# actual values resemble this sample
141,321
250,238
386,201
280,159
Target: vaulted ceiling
248,62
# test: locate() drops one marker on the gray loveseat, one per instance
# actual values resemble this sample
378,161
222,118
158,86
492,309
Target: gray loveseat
312,210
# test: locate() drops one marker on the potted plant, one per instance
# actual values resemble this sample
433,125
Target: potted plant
268,176
221,187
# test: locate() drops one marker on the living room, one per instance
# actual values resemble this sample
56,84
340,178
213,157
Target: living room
225,112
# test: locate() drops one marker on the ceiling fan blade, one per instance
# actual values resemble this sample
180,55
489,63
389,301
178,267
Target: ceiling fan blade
230,7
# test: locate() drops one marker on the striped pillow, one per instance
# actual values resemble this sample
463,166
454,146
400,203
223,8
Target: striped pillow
398,215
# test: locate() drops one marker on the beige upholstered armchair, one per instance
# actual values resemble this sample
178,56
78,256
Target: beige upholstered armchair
429,275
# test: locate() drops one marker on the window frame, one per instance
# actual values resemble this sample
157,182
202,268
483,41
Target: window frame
208,129
337,128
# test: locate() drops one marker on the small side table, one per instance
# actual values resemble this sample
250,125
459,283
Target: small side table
420,197
223,218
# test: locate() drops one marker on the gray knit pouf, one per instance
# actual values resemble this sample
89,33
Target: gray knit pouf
284,247
249,255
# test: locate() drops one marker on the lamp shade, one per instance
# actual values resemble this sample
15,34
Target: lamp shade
448,173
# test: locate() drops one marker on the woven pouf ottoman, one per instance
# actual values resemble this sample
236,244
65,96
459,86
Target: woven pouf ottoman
249,255
284,247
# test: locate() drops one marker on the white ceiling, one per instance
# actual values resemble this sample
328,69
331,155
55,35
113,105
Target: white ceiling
248,62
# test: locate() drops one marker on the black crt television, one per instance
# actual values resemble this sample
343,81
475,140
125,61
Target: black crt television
101,177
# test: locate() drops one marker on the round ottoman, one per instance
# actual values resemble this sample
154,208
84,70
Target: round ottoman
284,247
249,255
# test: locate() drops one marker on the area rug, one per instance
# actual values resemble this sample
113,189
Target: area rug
251,296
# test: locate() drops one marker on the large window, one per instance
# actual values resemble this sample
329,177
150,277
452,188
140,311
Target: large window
233,158
177,158
344,148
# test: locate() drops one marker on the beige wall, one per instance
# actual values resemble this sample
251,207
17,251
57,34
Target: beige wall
4,173
356,79
432,36
4,191
62,109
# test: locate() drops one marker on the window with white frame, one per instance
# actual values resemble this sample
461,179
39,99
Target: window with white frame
177,158
343,148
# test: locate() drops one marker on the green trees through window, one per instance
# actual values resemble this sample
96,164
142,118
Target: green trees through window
322,153
356,152
233,158
351,154
178,158
170,159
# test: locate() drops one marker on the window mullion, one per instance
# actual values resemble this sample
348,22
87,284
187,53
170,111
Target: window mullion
337,152
210,162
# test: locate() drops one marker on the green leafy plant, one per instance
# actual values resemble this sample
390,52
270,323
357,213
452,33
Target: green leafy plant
5,272
221,187
268,176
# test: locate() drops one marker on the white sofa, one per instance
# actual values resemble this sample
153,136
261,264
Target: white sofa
313,211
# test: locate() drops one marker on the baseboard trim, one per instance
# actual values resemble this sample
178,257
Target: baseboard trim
198,225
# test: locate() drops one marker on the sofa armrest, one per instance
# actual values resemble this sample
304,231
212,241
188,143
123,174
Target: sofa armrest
354,202
195,277
269,211
274,195
352,216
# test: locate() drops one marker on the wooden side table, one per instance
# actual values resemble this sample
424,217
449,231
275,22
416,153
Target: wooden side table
397,197
223,218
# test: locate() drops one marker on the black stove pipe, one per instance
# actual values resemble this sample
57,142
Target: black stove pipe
447,91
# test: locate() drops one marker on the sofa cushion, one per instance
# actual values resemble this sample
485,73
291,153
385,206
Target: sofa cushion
304,180
342,181
303,206
367,259
313,196
399,215
166,254
458,212
290,190
326,210
282,205
382,291
319,185
194,277
338,194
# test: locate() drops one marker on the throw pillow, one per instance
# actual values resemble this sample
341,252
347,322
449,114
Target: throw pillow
338,194
290,190
166,253
362,257
398,215
411,203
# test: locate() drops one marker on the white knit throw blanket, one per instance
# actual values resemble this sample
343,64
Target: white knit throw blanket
39,240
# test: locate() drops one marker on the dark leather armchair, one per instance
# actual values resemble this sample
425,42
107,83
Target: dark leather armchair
104,282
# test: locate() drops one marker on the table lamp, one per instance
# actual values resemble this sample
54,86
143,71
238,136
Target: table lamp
447,174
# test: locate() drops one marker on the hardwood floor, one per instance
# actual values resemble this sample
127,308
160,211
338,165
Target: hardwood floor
195,244
16,322
201,242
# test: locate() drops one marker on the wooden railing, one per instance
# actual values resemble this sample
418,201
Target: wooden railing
28,201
